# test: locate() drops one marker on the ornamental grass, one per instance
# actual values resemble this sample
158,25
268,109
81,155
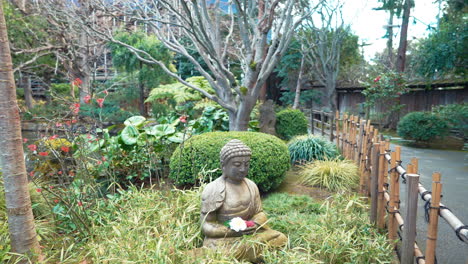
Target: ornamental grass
334,175
148,226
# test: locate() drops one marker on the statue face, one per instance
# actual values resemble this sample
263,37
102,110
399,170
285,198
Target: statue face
236,168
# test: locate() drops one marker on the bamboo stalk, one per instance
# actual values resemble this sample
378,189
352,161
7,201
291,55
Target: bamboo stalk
381,199
337,123
409,234
374,181
345,135
431,241
393,199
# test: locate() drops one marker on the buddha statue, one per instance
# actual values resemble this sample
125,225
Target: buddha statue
229,199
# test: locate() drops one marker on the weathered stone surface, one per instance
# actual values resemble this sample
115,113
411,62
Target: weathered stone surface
233,195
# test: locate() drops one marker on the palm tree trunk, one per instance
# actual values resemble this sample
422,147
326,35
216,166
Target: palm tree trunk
18,203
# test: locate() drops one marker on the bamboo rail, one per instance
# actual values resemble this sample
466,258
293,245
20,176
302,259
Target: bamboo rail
381,174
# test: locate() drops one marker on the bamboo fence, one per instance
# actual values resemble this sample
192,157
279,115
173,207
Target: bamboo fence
381,173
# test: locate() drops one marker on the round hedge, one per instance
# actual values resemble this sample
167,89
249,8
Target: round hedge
290,123
422,126
269,162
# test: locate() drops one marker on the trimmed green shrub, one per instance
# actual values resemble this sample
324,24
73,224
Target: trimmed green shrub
199,154
309,148
333,175
455,114
290,123
422,126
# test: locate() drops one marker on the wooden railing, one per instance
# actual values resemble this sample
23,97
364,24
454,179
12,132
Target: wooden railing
381,175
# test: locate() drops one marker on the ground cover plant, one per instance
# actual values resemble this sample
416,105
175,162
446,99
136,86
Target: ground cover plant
150,226
309,148
334,175
269,162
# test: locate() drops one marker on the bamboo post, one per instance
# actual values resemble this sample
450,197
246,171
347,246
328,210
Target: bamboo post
360,143
312,121
337,124
345,134
367,153
393,200
381,198
409,234
433,219
397,163
374,181
415,163
356,136
362,167
331,126
322,121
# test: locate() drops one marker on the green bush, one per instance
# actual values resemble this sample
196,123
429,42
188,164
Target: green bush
333,175
309,148
455,114
270,158
290,123
422,126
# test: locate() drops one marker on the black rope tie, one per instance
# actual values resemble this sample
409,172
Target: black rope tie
403,175
424,194
419,258
458,231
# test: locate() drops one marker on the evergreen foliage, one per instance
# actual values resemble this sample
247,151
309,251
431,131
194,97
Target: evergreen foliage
268,164
309,148
422,126
290,123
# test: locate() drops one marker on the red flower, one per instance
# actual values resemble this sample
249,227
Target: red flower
38,190
75,108
80,203
88,136
31,174
250,223
32,147
77,82
58,124
65,148
53,137
106,92
43,153
87,99
183,119
100,102
103,158
25,140
377,79
99,162
56,201
51,187
74,121
59,172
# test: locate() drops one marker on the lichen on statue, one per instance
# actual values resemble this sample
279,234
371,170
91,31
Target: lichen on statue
233,195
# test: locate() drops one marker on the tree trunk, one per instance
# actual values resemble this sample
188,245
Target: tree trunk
141,103
390,39
239,120
18,203
28,99
298,85
401,59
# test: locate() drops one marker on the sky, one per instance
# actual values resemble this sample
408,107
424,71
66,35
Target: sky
369,24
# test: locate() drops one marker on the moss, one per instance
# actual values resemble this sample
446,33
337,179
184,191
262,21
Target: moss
243,90
290,123
269,163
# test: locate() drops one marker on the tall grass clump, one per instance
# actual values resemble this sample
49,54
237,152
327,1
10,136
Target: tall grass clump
334,232
309,148
333,175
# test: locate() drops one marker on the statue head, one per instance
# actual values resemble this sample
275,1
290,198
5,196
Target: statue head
235,160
